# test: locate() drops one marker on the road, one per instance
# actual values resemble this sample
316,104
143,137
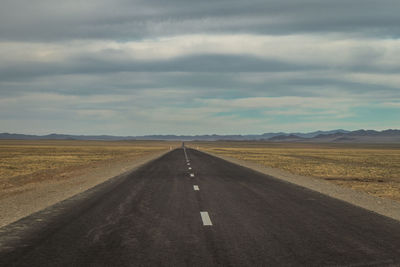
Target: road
205,212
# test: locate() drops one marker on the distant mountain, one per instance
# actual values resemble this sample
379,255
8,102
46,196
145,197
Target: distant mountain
62,137
340,135
212,137
361,136
269,135
290,137
313,134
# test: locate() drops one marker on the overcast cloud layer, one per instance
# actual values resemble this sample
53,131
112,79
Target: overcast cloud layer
195,67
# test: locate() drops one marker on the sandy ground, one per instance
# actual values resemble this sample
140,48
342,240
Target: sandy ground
386,207
21,201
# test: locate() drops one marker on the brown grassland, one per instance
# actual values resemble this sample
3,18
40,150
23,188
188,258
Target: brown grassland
23,161
372,168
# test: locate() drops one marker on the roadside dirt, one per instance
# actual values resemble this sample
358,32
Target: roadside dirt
30,193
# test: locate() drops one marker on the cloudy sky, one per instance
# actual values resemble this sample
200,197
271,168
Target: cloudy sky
135,67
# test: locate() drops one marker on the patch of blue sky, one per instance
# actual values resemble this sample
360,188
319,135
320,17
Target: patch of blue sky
250,113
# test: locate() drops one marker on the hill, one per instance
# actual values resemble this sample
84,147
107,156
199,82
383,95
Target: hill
340,135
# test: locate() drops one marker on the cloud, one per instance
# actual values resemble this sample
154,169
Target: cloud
143,67
146,111
192,52
127,20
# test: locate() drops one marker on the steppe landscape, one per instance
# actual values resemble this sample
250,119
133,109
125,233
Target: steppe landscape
25,162
372,168
199,133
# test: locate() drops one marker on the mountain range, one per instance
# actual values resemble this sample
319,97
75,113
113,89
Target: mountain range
359,136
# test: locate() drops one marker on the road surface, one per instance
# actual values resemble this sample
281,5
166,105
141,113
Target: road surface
188,208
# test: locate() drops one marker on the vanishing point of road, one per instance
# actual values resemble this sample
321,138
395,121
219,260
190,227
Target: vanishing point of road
188,208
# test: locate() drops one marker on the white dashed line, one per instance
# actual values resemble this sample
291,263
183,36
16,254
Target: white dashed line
206,219
192,175
196,188
186,157
188,164
190,168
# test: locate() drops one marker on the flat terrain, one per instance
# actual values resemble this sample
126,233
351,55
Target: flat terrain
155,216
37,174
23,162
371,168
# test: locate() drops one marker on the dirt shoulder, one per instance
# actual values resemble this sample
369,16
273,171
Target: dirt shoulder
19,201
385,207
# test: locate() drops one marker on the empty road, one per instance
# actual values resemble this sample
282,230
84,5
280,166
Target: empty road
188,208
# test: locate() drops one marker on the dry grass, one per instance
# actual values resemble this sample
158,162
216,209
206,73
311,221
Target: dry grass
371,168
24,159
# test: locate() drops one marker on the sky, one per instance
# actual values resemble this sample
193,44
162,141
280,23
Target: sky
138,67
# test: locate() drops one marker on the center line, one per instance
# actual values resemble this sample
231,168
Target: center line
192,175
196,188
206,219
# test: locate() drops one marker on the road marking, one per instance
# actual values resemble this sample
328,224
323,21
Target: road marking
192,175
196,188
206,219
190,168
188,164
186,157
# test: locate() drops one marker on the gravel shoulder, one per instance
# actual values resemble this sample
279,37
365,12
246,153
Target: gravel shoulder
386,207
24,200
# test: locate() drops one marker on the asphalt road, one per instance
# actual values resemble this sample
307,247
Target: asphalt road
225,215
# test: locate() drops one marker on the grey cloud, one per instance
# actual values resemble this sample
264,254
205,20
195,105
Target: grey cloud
126,20
108,62
201,85
61,86
192,63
